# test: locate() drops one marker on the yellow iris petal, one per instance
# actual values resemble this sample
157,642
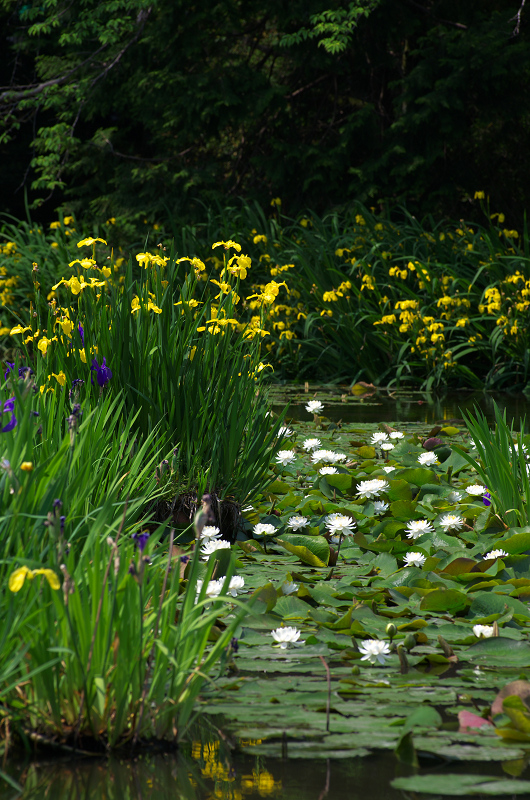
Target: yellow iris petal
17,578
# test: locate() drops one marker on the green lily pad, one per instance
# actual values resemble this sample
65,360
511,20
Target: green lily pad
499,651
419,476
461,785
449,600
313,550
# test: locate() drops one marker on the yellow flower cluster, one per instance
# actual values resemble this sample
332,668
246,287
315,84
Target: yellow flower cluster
137,304
334,294
145,259
398,272
278,270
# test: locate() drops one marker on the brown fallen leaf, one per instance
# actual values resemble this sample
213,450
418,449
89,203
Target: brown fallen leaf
520,688
361,388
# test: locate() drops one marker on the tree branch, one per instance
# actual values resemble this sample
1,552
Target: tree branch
517,17
33,89
141,19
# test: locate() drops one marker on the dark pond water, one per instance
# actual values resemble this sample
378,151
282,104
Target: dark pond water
384,406
215,773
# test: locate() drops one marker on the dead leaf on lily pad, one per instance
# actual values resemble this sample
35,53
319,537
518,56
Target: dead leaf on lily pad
519,688
362,388
470,722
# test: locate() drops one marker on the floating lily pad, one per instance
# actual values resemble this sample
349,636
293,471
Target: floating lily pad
461,785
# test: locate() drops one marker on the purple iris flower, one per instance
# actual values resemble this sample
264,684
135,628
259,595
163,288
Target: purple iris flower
140,540
22,372
10,367
81,334
9,406
75,384
486,499
103,373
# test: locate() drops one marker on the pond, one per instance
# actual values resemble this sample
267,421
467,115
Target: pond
226,759
208,770
382,405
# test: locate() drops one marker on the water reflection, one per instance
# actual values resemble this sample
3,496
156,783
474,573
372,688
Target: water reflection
398,407
210,771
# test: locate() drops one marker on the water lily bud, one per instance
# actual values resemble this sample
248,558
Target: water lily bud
391,630
410,641
430,444
355,670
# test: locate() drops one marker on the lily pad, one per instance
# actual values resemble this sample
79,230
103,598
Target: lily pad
313,550
461,785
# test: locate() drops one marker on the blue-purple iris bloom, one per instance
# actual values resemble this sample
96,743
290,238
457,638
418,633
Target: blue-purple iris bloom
486,499
8,408
140,540
103,373
81,334
22,372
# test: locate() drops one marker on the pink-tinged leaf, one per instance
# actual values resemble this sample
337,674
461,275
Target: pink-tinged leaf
468,721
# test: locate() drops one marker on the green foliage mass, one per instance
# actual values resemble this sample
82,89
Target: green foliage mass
388,299
151,109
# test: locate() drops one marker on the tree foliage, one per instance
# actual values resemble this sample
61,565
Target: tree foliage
149,107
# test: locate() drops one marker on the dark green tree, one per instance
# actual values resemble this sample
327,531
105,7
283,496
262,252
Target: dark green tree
143,108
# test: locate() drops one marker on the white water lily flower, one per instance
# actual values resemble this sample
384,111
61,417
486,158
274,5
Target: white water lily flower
213,589
427,459
311,444
483,631
396,435
314,406
297,522
387,446
380,507
289,587
495,554
378,437
450,522
417,527
285,431
326,455
285,636
331,518
319,455
328,471
264,529
477,490
336,458
370,489
285,457
414,560
454,497
373,651
338,524
388,469
211,546
236,584
210,532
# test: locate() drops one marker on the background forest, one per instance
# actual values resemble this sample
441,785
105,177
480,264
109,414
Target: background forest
151,109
